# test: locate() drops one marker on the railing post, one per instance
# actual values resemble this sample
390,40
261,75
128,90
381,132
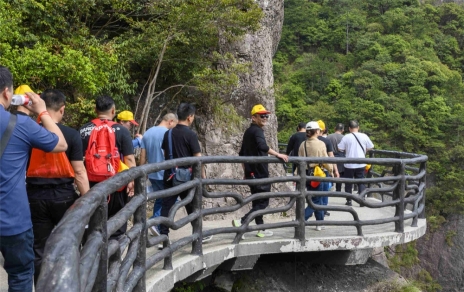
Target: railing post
399,194
197,224
140,217
97,223
423,180
300,203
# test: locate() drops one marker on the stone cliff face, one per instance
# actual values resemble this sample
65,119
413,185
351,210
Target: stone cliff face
441,253
255,87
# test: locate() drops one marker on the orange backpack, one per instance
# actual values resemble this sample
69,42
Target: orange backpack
102,158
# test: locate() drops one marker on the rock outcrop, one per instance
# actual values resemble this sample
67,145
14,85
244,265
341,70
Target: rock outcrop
441,253
254,87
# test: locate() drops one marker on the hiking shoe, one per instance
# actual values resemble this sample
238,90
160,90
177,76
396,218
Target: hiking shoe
206,238
319,228
236,223
264,233
154,231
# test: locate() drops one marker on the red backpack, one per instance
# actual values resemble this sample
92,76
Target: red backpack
102,156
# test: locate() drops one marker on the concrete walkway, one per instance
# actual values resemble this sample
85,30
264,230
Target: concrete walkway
220,248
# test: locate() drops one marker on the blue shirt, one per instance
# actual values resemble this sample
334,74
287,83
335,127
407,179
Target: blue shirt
15,215
151,142
137,142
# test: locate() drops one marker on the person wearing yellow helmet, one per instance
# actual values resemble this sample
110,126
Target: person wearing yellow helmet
254,144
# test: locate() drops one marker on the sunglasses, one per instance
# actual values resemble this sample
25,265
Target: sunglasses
264,116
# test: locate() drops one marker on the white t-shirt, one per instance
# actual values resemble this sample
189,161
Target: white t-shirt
352,149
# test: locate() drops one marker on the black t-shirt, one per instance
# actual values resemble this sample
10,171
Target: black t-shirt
74,153
327,143
254,144
123,138
294,143
184,144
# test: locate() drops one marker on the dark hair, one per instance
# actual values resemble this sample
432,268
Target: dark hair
340,127
104,103
54,99
184,110
354,124
6,78
310,133
301,126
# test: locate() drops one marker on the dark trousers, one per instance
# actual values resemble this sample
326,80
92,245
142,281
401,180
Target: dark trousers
354,173
338,186
48,206
19,260
167,205
256,205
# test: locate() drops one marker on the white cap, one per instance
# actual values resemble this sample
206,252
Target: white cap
312,126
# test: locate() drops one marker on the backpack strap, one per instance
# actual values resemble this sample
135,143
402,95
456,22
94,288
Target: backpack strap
7,134
359,143
171,156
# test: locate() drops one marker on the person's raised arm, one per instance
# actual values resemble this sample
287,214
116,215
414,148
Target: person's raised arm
38,107
278,155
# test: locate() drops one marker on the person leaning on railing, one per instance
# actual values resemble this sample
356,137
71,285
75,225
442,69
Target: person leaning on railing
313,147
254,144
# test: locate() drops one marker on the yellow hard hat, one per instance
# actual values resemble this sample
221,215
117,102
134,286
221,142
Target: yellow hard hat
22,89
259,109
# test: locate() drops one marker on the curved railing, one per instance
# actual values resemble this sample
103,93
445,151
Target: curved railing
101,264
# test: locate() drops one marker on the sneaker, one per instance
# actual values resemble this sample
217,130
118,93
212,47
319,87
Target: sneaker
206,238
319,228
236,223
327,213
348,203
154,231
264,233
160,245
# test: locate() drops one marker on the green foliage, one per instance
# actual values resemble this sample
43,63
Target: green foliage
426,283
395,66
189,287
449,237
88,48
404,256
435,222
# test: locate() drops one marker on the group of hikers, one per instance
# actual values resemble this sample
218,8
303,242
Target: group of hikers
45,166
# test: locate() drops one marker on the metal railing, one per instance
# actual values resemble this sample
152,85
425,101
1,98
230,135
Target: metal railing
101,264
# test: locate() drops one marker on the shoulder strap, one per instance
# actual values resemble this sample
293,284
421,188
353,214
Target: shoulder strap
7,134
359,143
170,144
306,155
97,122
171,156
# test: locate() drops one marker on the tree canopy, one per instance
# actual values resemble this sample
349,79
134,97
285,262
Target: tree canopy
136,51
396,66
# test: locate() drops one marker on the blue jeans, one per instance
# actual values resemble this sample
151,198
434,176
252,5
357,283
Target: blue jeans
157,185
19,260
318,201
